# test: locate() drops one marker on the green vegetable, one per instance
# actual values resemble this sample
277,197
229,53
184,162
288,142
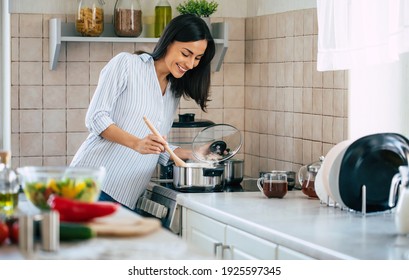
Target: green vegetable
74,231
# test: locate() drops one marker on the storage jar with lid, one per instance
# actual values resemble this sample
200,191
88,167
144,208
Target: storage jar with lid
90,18
128,18
163,15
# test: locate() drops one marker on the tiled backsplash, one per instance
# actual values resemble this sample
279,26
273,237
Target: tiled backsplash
268,87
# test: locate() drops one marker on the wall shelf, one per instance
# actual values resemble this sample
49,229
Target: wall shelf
65,32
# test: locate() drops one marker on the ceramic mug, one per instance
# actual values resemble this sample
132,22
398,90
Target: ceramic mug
273,184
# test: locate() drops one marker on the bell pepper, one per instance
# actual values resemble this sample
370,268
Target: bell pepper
77,211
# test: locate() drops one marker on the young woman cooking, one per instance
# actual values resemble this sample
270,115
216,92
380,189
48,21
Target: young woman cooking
132,86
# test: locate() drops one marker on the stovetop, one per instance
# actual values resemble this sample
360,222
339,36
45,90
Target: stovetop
165,187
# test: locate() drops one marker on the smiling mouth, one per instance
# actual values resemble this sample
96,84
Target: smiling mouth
181,68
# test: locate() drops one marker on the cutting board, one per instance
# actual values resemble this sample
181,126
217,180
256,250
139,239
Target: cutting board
124,224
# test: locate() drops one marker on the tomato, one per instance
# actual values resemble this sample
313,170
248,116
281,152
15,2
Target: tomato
12,224
4,232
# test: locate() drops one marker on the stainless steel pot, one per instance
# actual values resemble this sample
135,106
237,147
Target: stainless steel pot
233,171
197,177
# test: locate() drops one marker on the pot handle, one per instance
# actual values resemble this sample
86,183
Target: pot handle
213,172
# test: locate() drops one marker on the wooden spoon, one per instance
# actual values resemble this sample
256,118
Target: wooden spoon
178,161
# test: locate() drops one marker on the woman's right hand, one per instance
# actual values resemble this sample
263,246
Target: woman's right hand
151,144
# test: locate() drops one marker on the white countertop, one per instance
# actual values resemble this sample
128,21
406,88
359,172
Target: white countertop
304,225
159,245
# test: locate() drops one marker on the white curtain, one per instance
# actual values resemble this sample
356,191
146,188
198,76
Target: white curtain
353,33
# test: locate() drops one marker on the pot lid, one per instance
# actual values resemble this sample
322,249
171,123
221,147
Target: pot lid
188,120
217,143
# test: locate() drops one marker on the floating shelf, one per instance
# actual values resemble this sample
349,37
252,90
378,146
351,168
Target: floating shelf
65,32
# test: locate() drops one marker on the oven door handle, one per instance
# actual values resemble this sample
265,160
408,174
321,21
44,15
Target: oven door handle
151,207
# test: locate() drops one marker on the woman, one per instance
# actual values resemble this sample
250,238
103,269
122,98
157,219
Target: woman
132,86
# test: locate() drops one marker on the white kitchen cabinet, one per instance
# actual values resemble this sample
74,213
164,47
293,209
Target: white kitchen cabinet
65,32
224,241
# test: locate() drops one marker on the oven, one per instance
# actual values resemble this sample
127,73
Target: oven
159,201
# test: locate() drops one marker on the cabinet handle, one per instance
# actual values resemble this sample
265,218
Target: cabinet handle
215,246
226,247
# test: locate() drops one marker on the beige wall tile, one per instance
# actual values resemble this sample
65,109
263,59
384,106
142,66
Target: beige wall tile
307,101
307,126
31,97
14,25
327,128
289,49
15,49
298,23
55,77
308,22
100,51
31,161
328,102
289,124
15,121
15,73
217,97
76,120
316,127
31,26
55,161
122,47
32,73
264,27
54,121
233,74
281,51
74,141
306,152
95,71
272,22
14,92
236,28
298,125
55,144
317,101
272,50
54,97
31,144
15,145
31,49
31,121
234,117
235,52
78,73
249,28
78,97
233,97
308,48
289,24
328,79
78,51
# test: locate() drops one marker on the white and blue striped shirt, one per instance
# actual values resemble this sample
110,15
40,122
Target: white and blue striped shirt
128,89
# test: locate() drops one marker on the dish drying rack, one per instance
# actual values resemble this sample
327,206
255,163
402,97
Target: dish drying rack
331,203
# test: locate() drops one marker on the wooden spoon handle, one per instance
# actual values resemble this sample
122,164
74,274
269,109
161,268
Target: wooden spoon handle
178,161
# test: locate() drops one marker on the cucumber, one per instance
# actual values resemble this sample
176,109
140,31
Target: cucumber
74,231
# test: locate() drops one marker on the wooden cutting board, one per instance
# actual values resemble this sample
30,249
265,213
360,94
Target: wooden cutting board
123,224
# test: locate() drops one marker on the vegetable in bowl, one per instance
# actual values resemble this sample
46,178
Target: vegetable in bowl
77,183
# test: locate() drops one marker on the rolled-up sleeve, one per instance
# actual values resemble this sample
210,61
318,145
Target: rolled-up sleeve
111,84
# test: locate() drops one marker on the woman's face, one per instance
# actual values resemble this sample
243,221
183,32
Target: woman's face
183,56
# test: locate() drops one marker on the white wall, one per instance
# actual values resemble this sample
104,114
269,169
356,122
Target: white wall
379,99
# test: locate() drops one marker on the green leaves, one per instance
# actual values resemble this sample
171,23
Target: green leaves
201,8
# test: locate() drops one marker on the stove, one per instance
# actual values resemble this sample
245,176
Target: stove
159,200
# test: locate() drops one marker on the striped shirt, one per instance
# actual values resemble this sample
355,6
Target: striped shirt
128,89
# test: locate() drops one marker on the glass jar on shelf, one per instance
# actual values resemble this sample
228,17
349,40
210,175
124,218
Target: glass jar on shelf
163,15
90,18
128,18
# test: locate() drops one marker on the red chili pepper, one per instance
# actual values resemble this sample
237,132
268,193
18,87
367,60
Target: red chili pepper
78,211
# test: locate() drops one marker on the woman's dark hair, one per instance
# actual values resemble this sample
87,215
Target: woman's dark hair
195,83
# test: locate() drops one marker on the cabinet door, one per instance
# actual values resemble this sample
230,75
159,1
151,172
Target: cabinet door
245,246
284,253
203,232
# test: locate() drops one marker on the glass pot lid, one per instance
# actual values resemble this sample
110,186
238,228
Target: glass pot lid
216,143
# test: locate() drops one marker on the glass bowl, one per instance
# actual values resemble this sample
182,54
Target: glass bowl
77,183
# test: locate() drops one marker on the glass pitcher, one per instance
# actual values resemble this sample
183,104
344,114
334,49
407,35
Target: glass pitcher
306,177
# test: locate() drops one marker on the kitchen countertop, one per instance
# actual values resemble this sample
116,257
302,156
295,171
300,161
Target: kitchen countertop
158,245
304,225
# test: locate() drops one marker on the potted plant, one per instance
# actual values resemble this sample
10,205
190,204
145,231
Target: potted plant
201,8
